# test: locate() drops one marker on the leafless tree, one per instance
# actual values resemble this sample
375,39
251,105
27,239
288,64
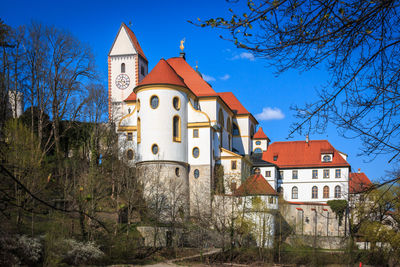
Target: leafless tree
357,41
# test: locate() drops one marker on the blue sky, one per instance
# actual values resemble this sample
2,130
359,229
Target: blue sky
159,27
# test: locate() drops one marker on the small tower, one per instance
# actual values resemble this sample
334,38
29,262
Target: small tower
260,141
127,66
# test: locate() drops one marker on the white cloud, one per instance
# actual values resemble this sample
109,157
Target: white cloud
244,55
208,78
269,113
225,77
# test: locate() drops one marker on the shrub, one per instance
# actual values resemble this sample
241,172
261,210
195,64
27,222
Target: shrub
82,253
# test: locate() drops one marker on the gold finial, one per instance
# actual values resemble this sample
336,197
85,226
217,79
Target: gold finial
197,67
181,46
130,23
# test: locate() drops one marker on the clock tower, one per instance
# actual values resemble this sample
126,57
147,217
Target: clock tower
127,66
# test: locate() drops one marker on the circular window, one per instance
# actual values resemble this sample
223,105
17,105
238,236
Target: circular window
196,173
258,143
177,103
154,149
177,172
196,152
154,101
129,154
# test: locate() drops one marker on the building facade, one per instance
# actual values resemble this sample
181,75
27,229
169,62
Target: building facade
176,128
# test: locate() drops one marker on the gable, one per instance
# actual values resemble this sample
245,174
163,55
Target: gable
122,44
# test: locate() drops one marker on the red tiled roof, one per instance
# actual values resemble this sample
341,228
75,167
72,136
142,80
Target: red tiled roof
255,185
302,154
192,79
131,97
162,73
260,134
134,41
233,103
358,183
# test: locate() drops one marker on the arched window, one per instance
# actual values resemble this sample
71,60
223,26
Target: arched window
138,131
228,126
123,68
258,150
221,118
176,128
338,191
314,194
295,192
326,191
235,129
138,105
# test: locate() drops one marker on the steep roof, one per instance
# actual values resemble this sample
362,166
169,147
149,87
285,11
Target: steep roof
131,97
255,185
162,73
298,154
233,103
134,41
260,134
358,182
192,79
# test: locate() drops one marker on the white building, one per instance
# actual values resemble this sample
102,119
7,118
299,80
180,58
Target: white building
174,123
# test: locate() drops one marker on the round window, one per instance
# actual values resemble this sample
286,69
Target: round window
258,143
177,172
196,173
154,101
196,152
327,158
177,103
154,149
129,154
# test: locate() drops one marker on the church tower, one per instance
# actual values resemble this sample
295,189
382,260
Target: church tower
127,66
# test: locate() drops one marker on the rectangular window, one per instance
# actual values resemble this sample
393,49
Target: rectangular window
129,137
195,133
270,200
280,174
294,174
337,173
315,174
233,164
267,173
326,173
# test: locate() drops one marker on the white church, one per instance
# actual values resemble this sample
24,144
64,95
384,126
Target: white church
171,120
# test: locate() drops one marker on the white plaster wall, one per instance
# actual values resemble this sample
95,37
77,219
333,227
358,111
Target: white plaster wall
271,180
263,146
203,143
156,125
305,182
244,127
209,107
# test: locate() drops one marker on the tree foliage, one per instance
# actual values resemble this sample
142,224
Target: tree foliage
357,41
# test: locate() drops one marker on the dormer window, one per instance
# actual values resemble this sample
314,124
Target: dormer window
327,158
275,157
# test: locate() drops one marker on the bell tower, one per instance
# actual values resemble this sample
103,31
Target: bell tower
127,66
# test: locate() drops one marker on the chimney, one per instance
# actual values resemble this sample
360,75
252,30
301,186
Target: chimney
182,55
359,170
307,139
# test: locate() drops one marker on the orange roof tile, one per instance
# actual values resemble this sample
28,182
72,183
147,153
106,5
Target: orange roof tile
192,79
233,103
298,154
255,185
131,97
134,41
260,134
162,73
358,182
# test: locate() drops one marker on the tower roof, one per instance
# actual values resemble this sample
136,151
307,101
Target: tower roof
162,73
255,185
260,134
192,79
134,40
